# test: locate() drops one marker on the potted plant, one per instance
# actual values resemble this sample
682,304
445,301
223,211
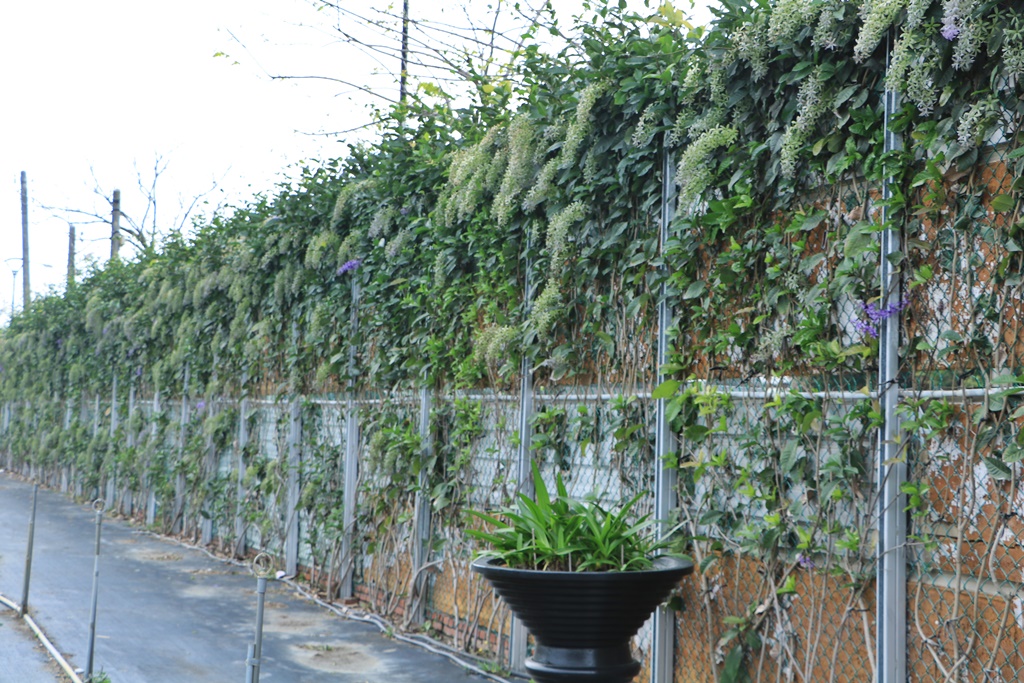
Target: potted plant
581,578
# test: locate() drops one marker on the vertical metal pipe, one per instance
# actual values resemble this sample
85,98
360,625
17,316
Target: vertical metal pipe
243,442
421,512
112,447
65,482
291,543
98,507
151,496
891,595
261,594
28,553
179,483
663,650
250,661
351,458
524,474
127,504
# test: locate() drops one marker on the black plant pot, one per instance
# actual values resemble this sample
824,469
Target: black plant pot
582,622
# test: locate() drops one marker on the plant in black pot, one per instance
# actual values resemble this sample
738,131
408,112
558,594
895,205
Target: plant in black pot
583,579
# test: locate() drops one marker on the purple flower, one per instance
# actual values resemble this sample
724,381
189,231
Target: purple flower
950,31
138,372
200,405
404,211
865,329
875,316
349,265
804,561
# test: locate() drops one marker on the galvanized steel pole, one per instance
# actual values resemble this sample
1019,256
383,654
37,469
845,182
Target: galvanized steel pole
891,593
351,459
518,638
28,553
662,656
98,506
421,513
291,544
243,442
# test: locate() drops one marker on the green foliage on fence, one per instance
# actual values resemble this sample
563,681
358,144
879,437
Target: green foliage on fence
418,251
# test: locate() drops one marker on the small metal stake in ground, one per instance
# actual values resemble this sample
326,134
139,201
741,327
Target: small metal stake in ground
262,568
98,506
28,553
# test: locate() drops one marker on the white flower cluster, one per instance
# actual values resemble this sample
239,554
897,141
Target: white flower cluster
810,105
519,170
912,66
396,244
575,133
466,177
788,18
751,43
347,193
382,221
692,83
318,248
692,173
1013,47
579,126
541,186
878,17
491,345
916,10
645,127
825,29
546,310
969,35
970,129
347,250
440,270
558,234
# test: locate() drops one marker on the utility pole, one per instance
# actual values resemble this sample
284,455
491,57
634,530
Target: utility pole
26,287
71,255
115,224
405,52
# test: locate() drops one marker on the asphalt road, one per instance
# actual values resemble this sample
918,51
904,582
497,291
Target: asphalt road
171,614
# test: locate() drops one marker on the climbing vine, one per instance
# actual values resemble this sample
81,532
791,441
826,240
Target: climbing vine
522,230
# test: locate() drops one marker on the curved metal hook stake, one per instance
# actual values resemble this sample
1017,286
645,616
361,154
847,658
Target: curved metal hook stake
263,565
99,505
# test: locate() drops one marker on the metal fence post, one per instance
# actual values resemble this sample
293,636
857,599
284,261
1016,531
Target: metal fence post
151,495
421,513
65,472
95,431
261,568
7,425
524,484
112,447
28,553
243,442
891,594
98,506
127,505
291,543
179,483
663,646
351,460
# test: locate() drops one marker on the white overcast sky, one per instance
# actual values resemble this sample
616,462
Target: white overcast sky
95,92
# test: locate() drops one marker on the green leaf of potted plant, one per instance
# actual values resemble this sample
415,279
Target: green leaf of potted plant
582,578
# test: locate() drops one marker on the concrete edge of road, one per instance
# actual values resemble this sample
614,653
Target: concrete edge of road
54,652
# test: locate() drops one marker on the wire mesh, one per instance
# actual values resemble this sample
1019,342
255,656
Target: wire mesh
962,370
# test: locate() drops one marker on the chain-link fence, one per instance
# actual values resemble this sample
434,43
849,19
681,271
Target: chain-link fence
961,384
365,493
